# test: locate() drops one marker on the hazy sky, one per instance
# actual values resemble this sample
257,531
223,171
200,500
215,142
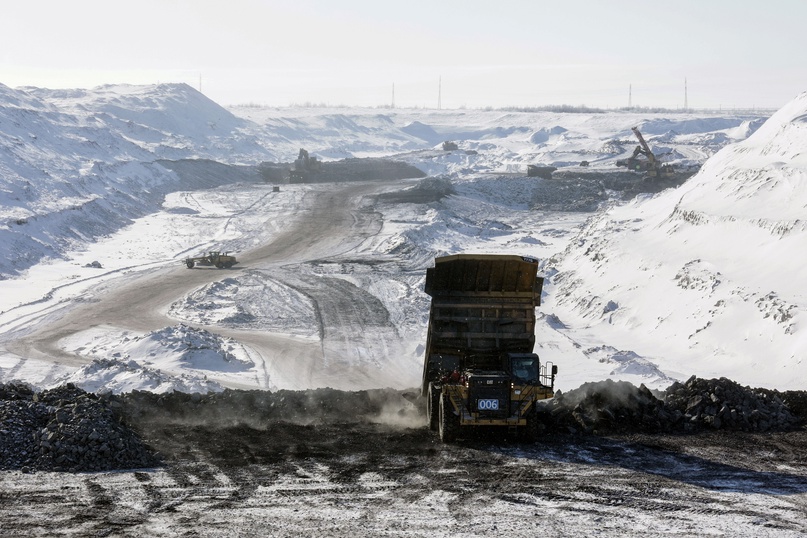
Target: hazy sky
732,53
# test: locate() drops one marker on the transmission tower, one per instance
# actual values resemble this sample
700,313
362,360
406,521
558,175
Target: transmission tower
686,97
439,93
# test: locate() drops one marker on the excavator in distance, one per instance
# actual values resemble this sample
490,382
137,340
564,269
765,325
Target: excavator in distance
304,166
650,165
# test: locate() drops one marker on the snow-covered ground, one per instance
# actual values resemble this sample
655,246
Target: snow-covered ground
701,279
706,278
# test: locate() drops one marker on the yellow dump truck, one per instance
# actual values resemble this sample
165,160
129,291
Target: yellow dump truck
479,368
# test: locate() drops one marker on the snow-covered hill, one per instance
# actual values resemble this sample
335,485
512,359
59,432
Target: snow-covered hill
77,165
708,278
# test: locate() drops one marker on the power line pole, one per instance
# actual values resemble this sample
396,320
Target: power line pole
686,97
630,95
440,93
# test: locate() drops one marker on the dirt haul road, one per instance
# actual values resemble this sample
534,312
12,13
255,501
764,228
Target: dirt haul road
334,219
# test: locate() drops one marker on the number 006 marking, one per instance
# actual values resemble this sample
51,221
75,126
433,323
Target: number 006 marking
487,405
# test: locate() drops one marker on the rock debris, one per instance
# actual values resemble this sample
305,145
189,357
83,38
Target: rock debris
68,429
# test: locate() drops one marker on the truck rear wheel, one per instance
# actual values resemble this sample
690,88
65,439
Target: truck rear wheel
449,425
433,407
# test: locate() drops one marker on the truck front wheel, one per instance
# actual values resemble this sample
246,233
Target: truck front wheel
190,264
449,425
532,431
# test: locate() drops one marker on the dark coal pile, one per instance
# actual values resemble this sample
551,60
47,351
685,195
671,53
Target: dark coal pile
698,404
623,183
352,169
65,429
364,169
258,407
568,194
796,401
723,404
430,189
585,191
608,407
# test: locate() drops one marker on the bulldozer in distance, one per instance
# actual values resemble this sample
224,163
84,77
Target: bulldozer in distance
214,258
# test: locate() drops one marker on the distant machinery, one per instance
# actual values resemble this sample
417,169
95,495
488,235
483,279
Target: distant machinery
544,172
214,258
303,167
649,164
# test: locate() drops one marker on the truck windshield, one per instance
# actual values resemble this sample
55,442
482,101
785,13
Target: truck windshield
524,369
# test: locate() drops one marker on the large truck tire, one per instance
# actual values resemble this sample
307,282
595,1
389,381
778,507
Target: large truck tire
433,407
532,431
189,263
449,425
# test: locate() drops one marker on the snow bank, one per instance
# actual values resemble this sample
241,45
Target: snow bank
252,300
177,358
122,376
76,165
704,278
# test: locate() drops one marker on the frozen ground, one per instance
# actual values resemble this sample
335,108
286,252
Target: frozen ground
366,481
335,463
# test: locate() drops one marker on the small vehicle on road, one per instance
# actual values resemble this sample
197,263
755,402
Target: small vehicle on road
214,258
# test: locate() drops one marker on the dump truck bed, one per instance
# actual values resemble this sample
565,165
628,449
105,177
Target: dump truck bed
482,306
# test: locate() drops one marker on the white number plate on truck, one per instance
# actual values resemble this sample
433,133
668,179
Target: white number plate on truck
487,405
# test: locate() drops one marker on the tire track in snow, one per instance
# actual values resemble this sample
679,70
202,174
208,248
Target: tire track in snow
353,324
